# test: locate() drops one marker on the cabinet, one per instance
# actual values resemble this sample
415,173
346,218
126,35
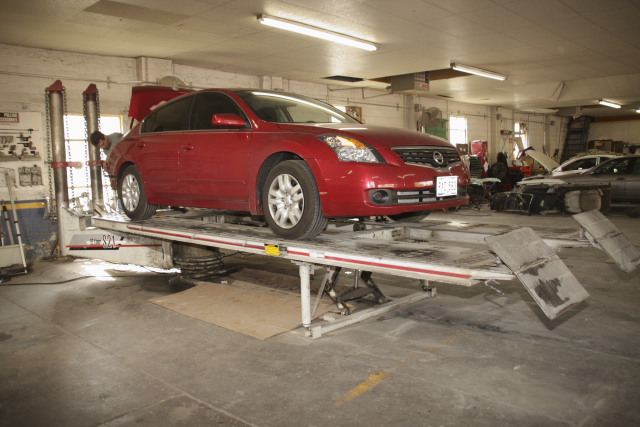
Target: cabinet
606,145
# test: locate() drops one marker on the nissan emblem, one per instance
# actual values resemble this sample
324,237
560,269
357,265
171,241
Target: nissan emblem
438,157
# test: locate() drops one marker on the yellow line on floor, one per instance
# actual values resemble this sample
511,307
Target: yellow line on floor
362,388
375,378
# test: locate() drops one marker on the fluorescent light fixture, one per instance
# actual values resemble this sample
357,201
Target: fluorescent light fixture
638,111
478,71
298,27
608,103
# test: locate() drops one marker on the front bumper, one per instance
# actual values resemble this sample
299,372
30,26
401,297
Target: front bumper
352,189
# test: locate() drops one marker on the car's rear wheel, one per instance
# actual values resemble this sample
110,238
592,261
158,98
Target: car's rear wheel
409,216
132,194
291,201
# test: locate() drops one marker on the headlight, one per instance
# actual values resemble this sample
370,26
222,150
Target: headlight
351,150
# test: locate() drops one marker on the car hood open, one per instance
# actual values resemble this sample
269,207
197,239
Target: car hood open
547,162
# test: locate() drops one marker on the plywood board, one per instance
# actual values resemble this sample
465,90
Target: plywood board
244,307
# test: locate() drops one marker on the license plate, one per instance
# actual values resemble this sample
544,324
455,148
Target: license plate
446,186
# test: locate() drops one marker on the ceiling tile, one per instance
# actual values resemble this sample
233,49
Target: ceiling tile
541,11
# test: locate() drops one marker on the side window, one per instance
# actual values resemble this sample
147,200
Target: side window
616,167
207,105
581,164
167,118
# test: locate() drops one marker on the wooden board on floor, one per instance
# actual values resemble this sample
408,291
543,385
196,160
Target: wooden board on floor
240,306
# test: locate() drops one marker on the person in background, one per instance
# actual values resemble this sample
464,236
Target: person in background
105,142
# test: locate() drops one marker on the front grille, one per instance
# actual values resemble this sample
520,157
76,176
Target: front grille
437,157
417,196
386,197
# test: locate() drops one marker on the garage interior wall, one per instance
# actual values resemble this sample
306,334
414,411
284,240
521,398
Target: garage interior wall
27,72
627,131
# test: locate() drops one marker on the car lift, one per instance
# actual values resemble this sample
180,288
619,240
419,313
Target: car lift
430,251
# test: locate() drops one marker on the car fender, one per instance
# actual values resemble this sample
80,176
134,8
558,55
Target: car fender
301,146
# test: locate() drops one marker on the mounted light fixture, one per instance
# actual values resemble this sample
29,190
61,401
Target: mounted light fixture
609,103
300,28
638,111
478,71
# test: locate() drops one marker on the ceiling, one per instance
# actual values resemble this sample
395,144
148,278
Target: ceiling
558,54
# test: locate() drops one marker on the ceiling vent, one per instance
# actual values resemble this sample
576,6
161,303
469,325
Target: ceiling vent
410,83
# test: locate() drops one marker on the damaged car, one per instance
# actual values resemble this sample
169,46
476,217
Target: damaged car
615,182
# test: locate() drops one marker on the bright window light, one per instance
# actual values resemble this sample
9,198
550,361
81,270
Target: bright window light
77,146
458,130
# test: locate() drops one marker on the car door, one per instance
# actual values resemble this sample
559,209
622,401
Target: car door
632,183
614,173
214,160
156,148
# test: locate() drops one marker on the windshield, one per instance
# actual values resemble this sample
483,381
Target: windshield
289,108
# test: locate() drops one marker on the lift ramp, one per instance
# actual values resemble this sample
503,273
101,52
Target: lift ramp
382,250
436,251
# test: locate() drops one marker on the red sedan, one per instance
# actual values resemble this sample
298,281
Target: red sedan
293,159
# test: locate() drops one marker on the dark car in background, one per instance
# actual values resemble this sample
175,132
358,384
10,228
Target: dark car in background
621,173
615,182
293,159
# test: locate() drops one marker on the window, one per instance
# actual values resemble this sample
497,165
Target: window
77,148
580,164
615,167
170,117
520,132
287,108
208,104
458,130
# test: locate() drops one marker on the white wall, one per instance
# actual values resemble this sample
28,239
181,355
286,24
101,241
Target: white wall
27,72
628,131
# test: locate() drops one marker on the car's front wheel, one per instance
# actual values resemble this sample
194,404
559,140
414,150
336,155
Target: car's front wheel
132,194
291,201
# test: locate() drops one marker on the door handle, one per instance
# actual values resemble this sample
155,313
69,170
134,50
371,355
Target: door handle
187,147
140,144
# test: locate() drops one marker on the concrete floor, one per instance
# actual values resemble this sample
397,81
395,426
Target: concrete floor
95,352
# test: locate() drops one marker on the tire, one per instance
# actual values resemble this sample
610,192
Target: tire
291,201
132,195
409,216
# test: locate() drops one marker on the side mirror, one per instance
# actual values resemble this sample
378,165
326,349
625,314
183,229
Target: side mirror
227,121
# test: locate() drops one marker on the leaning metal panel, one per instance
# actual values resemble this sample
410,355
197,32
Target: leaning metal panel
551,284
610,239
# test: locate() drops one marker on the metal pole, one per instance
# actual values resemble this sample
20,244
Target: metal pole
56,113
95,168
305,293
59,157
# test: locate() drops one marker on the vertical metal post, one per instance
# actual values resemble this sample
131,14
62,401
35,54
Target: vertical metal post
91,119
305,293
56,118
59,156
